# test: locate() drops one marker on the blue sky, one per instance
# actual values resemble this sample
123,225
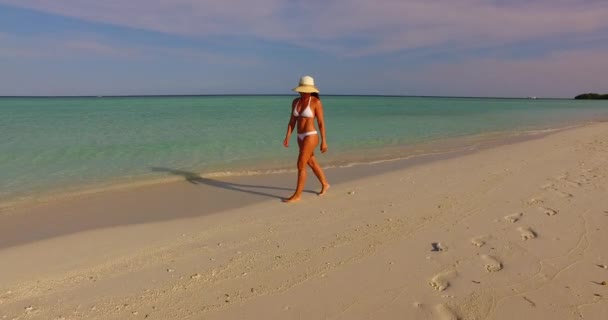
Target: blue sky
545,48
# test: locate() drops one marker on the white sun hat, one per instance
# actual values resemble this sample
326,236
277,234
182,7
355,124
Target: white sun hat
307,84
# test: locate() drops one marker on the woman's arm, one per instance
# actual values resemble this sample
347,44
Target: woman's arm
321,123
290,125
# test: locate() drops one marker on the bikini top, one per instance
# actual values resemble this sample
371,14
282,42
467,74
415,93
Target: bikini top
307,113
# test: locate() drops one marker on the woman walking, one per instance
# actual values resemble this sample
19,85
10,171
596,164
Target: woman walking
304,110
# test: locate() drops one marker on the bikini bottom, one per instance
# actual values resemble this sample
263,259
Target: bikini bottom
301,136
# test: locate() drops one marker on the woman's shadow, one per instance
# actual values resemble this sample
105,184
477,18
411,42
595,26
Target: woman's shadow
195,178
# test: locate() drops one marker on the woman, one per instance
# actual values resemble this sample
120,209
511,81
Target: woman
304,110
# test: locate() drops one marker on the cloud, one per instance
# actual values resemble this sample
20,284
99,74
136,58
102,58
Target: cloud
346,27
97,48
39,47
88,46
563,74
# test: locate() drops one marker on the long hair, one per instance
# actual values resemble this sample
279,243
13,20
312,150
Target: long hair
316,95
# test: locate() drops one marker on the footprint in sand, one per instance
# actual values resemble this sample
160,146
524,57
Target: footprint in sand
513,217
440,281
575,184
526,233
547,186
553,188
491,264
445,313
563,194
479,241
548,211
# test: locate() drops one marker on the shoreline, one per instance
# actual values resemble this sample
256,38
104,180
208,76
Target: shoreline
439,146
515,229
213,192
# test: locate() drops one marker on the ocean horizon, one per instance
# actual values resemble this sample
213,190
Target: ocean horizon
274,94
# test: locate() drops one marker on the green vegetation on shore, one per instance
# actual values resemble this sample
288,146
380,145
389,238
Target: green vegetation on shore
593,96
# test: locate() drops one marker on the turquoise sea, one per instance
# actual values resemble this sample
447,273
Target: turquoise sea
50,145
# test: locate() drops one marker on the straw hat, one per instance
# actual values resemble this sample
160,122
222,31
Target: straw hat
307,84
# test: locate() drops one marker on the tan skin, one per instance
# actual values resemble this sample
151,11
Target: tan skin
309,143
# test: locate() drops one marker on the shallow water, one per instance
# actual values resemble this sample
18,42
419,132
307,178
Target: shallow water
51,144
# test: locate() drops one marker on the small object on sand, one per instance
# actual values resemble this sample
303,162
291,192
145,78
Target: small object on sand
170,270
351,192
195,276
475,281
530,301
534,201
603,283
437,246
602,266
29,309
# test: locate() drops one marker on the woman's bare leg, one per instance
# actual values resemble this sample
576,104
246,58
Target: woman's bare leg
316,168
306,149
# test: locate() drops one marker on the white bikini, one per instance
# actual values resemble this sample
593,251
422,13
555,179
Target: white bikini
307,113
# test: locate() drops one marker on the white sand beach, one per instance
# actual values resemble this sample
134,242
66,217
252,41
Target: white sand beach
516,231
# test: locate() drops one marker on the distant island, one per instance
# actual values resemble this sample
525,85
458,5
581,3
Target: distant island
592,96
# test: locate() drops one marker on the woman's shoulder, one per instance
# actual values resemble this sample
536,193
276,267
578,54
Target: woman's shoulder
295,100
315,100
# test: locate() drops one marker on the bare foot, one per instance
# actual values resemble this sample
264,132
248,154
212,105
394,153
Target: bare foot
293,198
323,189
